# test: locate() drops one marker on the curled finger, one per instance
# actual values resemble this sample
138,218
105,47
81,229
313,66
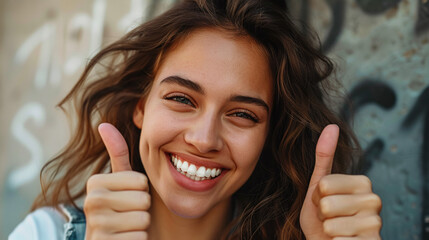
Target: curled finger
348,205
125,201
352,226
132,221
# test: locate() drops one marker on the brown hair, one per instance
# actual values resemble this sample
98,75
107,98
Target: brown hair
269,204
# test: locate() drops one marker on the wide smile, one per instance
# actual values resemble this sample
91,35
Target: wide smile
193,173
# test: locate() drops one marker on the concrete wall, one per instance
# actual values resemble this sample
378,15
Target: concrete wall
381,47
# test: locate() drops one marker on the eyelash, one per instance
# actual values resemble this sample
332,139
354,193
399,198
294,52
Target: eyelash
246,115
180,99
183,99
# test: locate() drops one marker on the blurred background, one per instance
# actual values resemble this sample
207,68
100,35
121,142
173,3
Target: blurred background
381,48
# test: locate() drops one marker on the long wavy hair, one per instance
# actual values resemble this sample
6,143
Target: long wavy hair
115,79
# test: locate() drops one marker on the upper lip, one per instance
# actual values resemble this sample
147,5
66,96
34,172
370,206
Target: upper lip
198,161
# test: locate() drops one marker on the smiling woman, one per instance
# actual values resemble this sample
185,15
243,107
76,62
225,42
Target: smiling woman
210,119
215,119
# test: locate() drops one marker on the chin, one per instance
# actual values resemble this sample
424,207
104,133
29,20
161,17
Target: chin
187,208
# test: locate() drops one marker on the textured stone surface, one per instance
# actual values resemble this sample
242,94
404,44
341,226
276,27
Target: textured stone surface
381,48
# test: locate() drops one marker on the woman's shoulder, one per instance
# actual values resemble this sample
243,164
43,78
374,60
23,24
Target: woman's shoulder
43,223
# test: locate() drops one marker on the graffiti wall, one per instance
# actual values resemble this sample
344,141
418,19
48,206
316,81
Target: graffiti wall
44,47
381,48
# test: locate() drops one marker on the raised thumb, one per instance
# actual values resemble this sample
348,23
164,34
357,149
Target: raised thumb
116,147
325,151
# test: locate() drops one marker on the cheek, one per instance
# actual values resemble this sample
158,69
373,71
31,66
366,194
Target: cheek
246,152
156,131
159,128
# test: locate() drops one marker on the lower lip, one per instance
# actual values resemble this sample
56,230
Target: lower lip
189,184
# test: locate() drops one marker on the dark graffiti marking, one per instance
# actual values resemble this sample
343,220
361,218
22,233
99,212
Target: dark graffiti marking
372,153
374,91
370,7
337,8
368,92
376,6
423,17
421,109
377,92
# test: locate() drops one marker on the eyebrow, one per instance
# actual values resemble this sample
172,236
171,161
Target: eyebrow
184,82
196,87
252,100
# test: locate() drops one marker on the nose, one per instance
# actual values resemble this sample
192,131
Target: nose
205,134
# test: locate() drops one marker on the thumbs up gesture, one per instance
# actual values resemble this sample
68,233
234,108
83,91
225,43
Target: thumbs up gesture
117,203
338,206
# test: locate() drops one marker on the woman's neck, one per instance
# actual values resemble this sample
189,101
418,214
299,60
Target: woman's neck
167,225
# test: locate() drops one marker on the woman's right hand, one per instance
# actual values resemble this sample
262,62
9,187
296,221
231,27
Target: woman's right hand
117,203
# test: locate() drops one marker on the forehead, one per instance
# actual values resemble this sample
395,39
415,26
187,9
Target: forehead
219,60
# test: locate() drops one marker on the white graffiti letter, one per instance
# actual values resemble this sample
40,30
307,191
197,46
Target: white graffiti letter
28,172
89,25
136,15
43,36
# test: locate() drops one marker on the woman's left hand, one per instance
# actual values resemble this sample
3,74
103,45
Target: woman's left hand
338,206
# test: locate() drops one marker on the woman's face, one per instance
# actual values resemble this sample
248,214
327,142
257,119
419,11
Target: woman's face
205,121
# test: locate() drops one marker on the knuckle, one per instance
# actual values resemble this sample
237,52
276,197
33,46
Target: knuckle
325,206
376,222
328,228
93,182
97,222
145,200
140,178
145,219
87,206
123,152
94,200
323,154
324,186
98,197
375,201
143,180
365,181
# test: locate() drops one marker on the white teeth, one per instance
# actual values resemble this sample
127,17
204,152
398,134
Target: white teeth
190,170
208,172
184,166
201,172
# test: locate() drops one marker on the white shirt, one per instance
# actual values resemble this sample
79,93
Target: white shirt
43,224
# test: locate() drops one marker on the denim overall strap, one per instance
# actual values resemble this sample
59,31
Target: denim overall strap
75,227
